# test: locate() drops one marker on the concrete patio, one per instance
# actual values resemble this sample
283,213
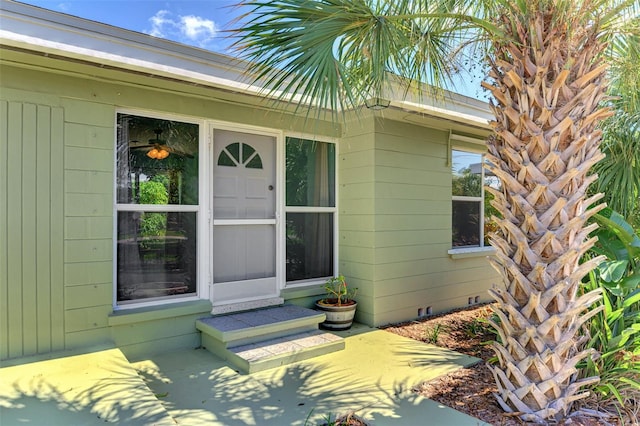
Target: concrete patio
372,378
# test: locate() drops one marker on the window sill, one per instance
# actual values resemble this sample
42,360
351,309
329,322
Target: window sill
152,313
468,252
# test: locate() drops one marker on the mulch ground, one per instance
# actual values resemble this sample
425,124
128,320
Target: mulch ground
470,390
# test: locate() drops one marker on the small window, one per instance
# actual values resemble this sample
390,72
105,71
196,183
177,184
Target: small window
467,199
240,154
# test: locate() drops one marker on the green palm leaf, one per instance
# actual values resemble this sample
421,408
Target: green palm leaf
336,54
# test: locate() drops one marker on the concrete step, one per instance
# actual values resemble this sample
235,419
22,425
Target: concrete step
261,324
283,350
267,338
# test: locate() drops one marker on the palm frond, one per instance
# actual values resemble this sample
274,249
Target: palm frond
335,54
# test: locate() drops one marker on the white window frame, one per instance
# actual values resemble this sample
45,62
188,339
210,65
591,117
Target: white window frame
303,209
201,234
472,146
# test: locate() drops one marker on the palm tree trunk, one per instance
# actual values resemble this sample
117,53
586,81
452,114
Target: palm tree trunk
548,86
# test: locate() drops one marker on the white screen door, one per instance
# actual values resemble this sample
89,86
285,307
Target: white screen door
244,221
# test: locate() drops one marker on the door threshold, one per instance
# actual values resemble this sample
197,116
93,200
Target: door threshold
246,306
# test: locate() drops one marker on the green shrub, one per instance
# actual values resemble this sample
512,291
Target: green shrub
153,192
614,330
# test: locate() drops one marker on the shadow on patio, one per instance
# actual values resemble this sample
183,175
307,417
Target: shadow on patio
373,377
94,388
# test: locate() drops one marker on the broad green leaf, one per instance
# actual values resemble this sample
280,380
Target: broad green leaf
613,271
623,231
610,245
614,288
630,283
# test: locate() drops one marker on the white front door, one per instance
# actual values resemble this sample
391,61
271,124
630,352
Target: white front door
244,217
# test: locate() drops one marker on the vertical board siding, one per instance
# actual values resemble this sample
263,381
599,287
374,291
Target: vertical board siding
43,215
31,282
57,229
4,240
29,258
14,224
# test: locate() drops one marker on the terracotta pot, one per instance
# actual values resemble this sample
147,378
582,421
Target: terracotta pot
338,317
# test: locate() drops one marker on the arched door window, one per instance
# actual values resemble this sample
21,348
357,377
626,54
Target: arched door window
240,154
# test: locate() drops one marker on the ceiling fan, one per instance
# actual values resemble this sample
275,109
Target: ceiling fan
156,148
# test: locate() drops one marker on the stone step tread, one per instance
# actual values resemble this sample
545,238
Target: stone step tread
282,346
254,323
254,357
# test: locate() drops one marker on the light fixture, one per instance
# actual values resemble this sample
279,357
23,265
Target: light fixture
158,153
377,104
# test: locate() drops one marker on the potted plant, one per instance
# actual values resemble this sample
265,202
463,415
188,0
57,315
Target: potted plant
338,305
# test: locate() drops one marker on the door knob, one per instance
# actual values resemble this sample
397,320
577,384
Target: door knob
270,187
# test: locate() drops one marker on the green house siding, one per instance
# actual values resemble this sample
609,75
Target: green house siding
155,329
56,210
395,224
356,218
56,224
31,229
56,229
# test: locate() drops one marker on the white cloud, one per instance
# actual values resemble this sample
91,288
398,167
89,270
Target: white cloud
197,28
159,22
190,29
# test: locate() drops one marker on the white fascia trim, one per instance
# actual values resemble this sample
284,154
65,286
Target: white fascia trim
443,112
147,67
156,68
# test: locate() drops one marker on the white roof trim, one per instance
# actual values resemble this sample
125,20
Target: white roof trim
445,113
105,58
48,32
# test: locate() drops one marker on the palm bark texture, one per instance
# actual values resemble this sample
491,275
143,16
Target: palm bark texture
548,84
548,87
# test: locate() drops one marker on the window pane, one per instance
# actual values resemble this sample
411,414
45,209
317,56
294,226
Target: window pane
156,254
310,173
157,161
467,174
466,223
309,245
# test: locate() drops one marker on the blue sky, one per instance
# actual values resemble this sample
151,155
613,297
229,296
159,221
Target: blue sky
199,23
194,22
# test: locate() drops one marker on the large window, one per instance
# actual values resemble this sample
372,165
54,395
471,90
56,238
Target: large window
310,209
156,208
467,199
